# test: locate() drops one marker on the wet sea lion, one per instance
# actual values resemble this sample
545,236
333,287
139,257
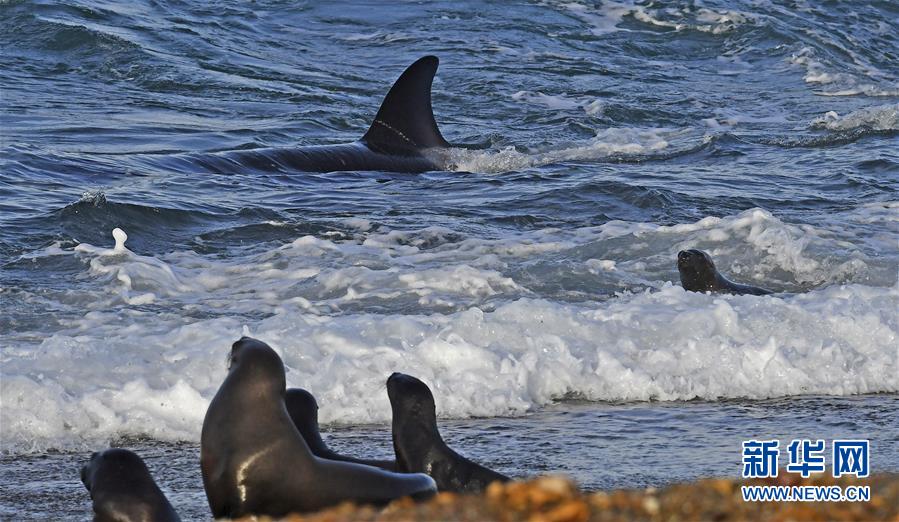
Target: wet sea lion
303,411
698,274
254,461
123,490
419,446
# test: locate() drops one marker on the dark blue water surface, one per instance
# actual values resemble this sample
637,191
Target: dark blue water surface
106,97
593,140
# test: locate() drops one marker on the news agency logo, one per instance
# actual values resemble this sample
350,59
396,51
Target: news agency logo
848,457
806,457
760,458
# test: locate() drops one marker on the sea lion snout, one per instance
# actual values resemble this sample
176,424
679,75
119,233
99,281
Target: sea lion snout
400,382
392,382
85,470
249,342
242,341
693,257
684,257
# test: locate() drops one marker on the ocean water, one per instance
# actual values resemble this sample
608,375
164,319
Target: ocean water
532,284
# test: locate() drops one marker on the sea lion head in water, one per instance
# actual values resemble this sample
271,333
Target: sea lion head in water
122,489
697,271
698,274
419,446
303,410
255,462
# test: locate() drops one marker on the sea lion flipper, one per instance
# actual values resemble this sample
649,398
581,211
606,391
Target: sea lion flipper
405,122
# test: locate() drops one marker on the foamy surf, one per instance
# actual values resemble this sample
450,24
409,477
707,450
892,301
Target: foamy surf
608,17
832,81
879,117
463,314
620,143
120,377
640,128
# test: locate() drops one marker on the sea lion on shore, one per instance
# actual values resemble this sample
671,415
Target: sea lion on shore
123,490
419,446
698,274
254,461
303,411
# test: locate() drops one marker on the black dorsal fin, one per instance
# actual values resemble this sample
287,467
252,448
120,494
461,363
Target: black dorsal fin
405,122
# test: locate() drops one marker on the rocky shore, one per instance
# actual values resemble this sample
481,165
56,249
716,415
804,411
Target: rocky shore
556,499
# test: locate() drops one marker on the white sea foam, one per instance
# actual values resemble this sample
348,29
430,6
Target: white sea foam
380,37
602,21
607,17
703,20
483,321
607,143
560,102
867,81
829,80
881,117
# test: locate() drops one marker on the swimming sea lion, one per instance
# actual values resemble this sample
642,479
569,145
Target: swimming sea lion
254,461
419,446
698,274
303,411
122,489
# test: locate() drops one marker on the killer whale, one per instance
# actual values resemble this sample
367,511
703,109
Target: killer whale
403,137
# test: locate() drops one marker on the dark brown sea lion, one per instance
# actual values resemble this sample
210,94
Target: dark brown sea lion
123,490
698,274
255,462
303,411
419,446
